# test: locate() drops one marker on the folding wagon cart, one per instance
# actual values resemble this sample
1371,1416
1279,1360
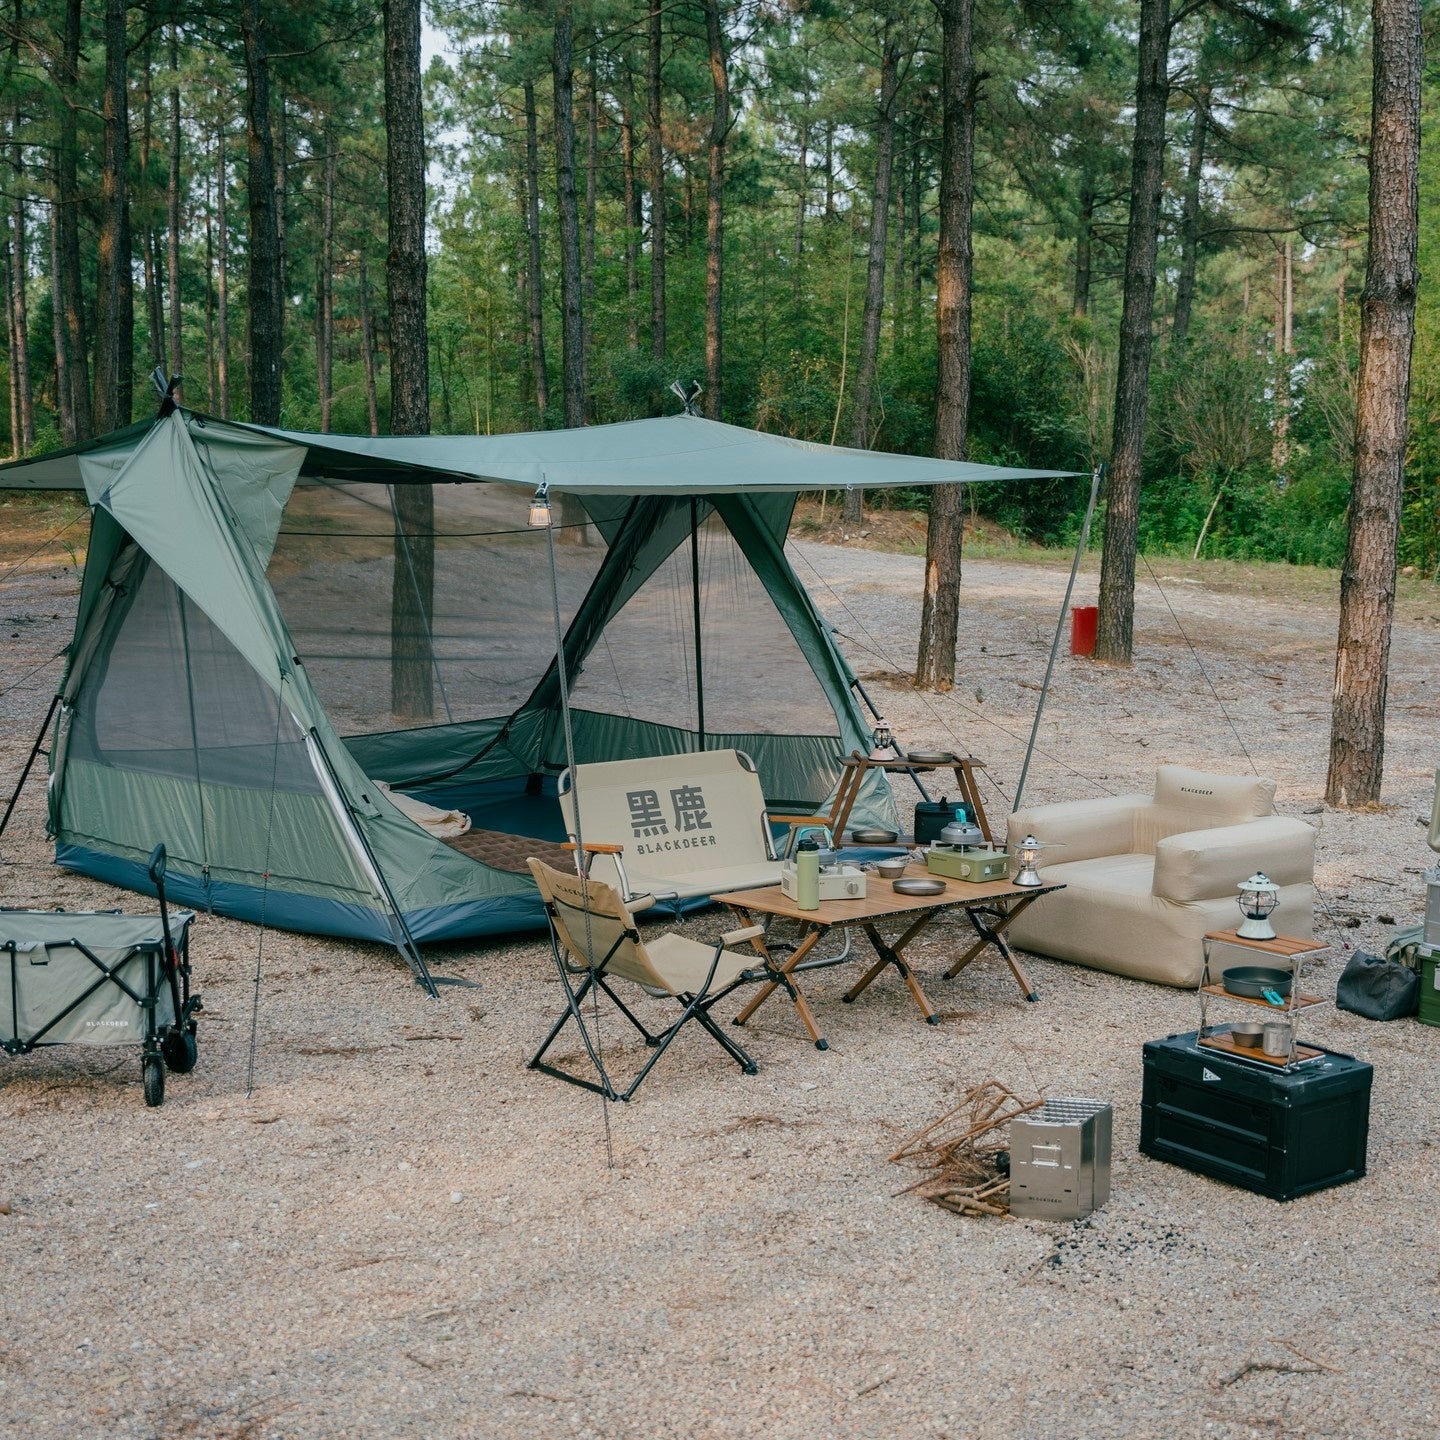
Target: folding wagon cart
101,978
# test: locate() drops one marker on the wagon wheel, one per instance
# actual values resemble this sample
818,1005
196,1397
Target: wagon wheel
153,1071
180,1050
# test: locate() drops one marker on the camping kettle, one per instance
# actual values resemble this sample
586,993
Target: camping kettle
961,834
829,855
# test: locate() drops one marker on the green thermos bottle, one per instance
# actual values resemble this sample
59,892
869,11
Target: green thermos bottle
807,875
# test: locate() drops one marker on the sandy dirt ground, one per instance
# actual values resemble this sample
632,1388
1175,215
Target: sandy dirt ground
400,1231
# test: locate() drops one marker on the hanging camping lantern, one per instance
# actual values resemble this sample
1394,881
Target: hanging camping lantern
1027,853
1259,895
882,739
540,507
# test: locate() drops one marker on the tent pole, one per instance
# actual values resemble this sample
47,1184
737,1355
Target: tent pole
1095,479
695,606
25,773
403,940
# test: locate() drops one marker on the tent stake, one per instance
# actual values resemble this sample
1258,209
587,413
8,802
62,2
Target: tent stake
1095,479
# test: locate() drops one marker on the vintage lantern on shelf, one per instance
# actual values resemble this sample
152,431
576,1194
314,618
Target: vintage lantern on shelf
1259,895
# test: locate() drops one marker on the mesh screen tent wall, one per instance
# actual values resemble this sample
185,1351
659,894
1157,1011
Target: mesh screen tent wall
239,702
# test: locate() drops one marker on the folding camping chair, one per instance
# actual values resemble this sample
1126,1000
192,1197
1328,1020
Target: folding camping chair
593,933
679,827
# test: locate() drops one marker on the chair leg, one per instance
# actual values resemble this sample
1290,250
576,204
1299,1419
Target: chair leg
738,1055
625,1010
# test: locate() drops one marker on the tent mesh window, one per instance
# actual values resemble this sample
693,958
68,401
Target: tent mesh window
753,676
173,697
349,575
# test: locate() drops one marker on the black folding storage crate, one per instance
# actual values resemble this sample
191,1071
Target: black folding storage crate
1278,1132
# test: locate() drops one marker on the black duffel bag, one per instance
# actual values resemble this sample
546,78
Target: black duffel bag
1378,989
932,816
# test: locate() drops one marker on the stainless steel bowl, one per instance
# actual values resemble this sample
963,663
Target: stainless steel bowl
1249,1033
892,869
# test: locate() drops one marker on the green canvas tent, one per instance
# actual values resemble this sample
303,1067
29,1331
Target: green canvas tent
272,623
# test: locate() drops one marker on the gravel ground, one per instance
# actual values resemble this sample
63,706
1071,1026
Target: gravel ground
401,1231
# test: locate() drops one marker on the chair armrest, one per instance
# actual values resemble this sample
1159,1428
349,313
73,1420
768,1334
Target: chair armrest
1210,864
635,903
1087,829
734,937
793,820
594,848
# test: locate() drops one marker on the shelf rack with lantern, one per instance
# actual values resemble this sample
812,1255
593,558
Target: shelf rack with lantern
1257,900
1279,947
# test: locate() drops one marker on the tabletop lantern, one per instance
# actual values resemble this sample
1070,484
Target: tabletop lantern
882,739
1259,895
1027,853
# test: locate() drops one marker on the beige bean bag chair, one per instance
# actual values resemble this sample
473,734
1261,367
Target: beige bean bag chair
1146,876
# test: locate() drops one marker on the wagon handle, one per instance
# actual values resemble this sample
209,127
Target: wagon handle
157,866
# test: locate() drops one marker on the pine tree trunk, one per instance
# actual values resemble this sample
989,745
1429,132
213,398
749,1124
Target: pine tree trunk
112,289
533,278
282,196
63,410
655,140
572,358
149,263
592,167
325,349
209,300
264,297
1387,335
875,270
954,268
67,219
715,210
367,350
1132,380
632,227
172,215
20,355
1190,218
802,201
412,589
1084,239
222,277
1280,435
7,280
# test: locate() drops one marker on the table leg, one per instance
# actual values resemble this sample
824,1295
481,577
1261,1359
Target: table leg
890,954
784,981
993,934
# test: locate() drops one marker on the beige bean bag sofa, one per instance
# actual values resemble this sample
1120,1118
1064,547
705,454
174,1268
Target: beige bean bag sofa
1146,876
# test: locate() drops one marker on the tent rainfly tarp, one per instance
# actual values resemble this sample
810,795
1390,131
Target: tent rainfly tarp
270,623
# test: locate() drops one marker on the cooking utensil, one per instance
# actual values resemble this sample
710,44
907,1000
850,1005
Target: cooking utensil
874,836
1253,980
919,885
1277,1037
892,869
931,757
1249,1033
1272,997
962,832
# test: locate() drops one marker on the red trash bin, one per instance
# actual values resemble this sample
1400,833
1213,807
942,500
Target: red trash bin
1084,621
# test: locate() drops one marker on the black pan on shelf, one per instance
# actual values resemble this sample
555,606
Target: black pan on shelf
1252,981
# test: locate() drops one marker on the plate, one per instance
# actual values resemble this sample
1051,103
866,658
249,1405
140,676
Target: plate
874,837
918,885
931,757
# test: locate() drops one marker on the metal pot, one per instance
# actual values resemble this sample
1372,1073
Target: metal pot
962,833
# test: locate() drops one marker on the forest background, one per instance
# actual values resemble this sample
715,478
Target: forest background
831,148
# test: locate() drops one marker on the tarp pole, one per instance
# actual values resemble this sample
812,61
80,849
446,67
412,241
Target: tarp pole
1095,479
25,773
695,605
